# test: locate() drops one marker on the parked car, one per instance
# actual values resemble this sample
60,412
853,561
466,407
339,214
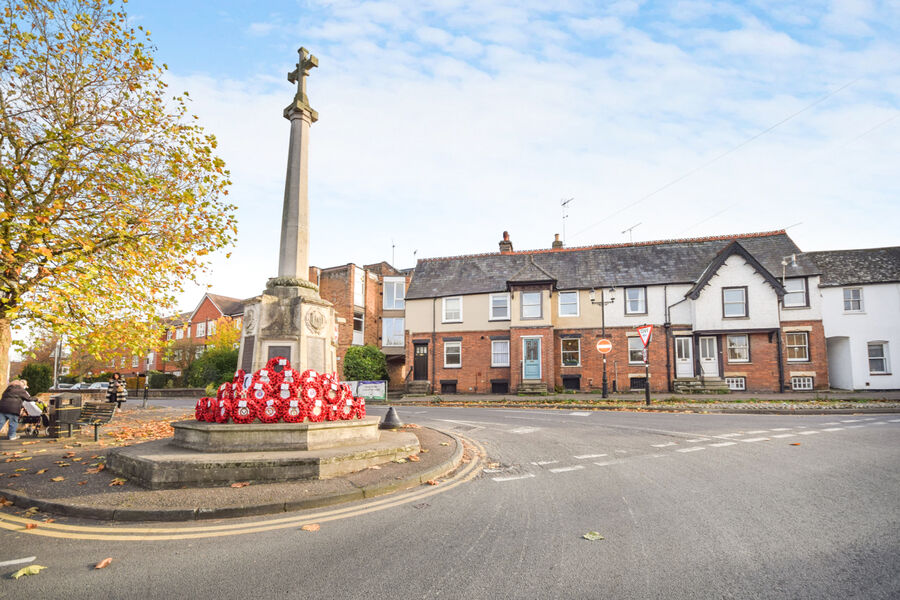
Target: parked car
100,385
80,386
64,386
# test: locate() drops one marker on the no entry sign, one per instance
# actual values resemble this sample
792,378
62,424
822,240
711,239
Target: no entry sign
604,346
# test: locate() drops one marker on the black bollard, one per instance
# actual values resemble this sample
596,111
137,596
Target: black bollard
391,420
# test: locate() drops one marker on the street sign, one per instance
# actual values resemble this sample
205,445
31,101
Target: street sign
645,333
604,346
644,354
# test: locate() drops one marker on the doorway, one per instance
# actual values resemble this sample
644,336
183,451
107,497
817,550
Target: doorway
420,362
709,356
684,357
531,363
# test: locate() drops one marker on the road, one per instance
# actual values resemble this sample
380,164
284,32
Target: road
689,505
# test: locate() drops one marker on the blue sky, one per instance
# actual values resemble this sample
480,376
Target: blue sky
444,123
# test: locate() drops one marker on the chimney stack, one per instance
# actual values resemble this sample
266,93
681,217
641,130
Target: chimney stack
505,245
557,243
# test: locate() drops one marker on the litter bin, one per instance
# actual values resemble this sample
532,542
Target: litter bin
64,412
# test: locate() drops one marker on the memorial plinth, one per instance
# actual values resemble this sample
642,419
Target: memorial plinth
263,437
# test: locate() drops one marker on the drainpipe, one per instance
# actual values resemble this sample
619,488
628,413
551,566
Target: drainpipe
666,326
433,339
780,362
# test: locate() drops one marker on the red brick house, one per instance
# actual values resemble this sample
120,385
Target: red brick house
729,312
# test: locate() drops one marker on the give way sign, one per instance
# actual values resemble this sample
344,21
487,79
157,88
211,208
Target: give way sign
645,333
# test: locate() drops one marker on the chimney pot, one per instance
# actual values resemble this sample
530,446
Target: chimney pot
557,243
505,245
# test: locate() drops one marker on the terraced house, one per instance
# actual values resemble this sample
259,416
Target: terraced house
739,312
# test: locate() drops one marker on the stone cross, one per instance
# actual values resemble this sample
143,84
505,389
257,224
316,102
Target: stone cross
298,75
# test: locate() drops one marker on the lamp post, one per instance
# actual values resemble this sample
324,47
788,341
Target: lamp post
602,302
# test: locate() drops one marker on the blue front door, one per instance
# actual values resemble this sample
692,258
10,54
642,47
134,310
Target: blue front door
531,364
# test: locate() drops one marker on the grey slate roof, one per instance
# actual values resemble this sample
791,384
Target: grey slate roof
647,263
229,306
856,267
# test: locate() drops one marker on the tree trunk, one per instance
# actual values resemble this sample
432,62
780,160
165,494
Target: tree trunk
5,344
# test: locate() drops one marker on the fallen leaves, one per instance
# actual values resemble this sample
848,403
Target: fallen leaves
117,481
311,527
592,536
4,501
103,563
96,469
431,482
57,479
445,443
413,458
41,472
29,570
31,526
240,484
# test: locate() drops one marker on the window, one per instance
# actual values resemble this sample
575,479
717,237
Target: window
392,332
453,310
122,363
878,358
734,302
636,301
801,383
448,387
638,383
135,361
357,331
531,305
187,330
635,351
738,348
198,351
797,346
170,334
853,301
571,352
499,353
499,387
568,304
179,334
736,384
796,293
394,292
499,307
452,355
151,360
201,329
211,328
359,286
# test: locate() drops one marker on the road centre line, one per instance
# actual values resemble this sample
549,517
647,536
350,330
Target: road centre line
784,435
781,429
808,432
18,561
695,440
580,413
879,423
565,469
583,456
513,477
854,426
834,429
759,439
757,432
832,423
728,435
608,463
723,444
894,421
691,449
664,445
541,463
850,421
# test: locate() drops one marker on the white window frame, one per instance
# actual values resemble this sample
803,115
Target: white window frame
851,300
726,303
494,353
179,333
201,329
391,336
210,328
394,283
563,352
135,361
359,286
444,318
358,340
170,334
641,299
559,304
803,292
496,317
540,305
787,346
884,358
458,346
736,384
639,348
801,383
745,347
151,360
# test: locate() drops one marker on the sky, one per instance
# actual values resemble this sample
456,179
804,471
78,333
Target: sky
443,123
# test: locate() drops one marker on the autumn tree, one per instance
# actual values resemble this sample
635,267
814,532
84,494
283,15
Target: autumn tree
227,335
111,196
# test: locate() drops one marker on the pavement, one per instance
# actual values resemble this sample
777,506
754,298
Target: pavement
67,476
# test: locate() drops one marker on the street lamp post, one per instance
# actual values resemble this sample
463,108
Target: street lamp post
602,303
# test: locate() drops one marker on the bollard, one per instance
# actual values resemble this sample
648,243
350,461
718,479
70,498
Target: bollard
391,420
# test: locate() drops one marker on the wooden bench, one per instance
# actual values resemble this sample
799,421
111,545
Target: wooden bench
96,414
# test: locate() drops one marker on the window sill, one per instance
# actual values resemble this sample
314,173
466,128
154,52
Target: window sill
457,321
570,366
798,307
854,312
880,374
631,314
500,366
500,319
738,362
744,317
530,318
453,366
569,316
800,362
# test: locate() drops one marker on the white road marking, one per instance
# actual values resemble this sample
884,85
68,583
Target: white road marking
851,421
834,429
541,463
664,445
580,413
879,423
869,419
760,439
691,449
694,441
757,432
17,561
496,470
514,477
808,432
784,435
728,435
894,421
583,456
521,430
832,423
565,469
854,426
621,451
722,444
781,429
607,463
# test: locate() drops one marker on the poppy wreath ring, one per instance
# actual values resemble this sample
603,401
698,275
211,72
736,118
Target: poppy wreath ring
243,411
268,410
293,410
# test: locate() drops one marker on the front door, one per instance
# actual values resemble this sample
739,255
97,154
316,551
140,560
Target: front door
709,356
531,364
420,362
684,357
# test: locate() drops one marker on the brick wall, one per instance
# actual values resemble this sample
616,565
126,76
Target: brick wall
336,286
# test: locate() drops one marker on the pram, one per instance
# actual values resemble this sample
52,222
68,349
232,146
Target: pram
36,418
